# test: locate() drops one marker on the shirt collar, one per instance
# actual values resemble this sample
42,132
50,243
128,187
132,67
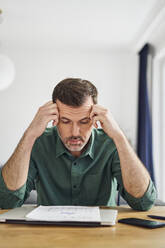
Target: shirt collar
90,147
61,149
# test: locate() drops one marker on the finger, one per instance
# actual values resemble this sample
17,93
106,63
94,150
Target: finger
41,108
95,125
48,103
50,107
51,110
94,120
53,118
95,109
93,114
55,121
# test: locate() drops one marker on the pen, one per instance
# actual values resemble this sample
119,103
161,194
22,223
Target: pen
157,217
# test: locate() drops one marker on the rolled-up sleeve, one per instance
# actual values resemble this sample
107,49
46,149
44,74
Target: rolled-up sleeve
15,198
143,203
10,198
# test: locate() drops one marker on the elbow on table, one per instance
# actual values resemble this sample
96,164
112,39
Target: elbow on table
8,204
144,206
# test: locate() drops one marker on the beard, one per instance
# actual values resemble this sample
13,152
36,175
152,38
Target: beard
74,143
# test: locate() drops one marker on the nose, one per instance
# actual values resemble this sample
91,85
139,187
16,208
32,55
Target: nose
75,130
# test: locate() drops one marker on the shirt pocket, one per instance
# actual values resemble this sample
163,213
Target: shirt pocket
95,189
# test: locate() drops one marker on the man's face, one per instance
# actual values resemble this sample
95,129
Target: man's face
75,125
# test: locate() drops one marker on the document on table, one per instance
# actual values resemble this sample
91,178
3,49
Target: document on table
65,213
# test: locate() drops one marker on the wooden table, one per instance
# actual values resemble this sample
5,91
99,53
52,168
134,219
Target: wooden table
119,236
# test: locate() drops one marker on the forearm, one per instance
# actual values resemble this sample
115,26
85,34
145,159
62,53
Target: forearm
134,174
15,171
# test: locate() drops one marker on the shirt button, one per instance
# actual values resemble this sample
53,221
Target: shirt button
74,163
74,186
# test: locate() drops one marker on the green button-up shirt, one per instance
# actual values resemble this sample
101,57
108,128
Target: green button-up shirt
62,179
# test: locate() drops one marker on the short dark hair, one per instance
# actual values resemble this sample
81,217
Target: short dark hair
73,91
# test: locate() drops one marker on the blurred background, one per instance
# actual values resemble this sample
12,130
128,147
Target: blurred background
45,41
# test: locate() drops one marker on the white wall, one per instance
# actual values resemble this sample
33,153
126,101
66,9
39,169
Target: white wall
155,35
39,69
159,122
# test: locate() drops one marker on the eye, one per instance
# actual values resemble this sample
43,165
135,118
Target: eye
65,121
85,121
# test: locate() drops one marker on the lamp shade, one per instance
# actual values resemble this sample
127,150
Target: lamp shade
7,72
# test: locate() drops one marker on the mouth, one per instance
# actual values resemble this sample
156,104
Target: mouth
75,142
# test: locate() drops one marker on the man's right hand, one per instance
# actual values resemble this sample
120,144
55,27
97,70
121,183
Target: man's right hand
46,113
15,171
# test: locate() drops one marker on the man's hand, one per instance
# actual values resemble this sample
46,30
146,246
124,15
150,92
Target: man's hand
109,125
15,171
46,113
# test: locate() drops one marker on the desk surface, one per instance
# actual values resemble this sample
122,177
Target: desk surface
119,236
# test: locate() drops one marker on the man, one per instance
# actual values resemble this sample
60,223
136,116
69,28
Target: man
75,162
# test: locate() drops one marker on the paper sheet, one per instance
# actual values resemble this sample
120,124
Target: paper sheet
65,213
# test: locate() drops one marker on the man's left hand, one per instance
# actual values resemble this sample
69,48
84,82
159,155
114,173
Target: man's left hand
108,124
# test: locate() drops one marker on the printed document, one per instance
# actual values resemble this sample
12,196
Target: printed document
65,213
